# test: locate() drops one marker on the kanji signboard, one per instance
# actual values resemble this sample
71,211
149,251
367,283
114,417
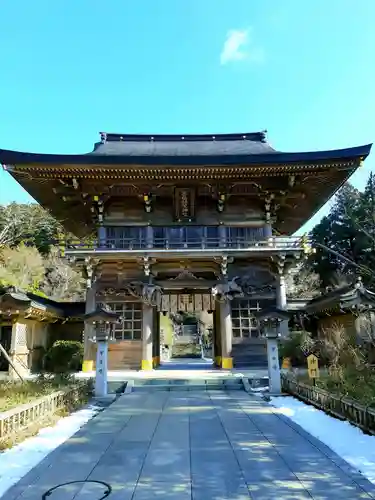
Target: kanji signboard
313,366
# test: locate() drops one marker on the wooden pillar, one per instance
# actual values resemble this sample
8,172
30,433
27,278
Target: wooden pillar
281,302
102,236
156,339
223,236
268,231
88,346
147,330
217,355
149,236
226,335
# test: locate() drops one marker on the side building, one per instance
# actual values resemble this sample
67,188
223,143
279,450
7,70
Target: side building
29,325
183,223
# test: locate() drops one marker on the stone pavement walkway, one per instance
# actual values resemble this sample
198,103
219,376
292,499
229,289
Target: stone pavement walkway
193,445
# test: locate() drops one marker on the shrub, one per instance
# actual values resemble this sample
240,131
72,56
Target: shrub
64,356
297,346
39,353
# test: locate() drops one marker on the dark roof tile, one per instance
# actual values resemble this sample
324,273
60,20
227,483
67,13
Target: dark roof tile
183,145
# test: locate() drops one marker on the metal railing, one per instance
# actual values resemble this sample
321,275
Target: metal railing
279,243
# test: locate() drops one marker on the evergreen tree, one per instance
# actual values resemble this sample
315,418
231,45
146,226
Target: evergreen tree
337,232
349,232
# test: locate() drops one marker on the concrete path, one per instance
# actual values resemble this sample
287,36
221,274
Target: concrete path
193,445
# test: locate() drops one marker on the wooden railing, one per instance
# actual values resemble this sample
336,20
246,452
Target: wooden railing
342,407
21,417
129,244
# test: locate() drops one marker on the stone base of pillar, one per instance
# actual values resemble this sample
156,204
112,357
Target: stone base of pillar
146,365
227,363
87,365
19,361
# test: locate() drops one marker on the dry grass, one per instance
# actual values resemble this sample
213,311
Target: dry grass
347,370
14,394
355,384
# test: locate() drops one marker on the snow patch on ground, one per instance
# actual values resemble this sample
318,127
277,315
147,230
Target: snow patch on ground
349,442
19,460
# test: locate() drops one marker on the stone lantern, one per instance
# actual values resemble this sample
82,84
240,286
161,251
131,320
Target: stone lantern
103,322
271,319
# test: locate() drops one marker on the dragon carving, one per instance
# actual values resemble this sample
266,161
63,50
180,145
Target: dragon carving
228,290
238,287
148,293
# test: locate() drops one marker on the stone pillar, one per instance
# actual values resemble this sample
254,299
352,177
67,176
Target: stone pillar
226,335
281,302
88,346
102,236
19,352
101,378
273,365
147,323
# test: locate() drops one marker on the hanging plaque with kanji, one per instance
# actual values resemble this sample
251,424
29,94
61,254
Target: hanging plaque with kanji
184,199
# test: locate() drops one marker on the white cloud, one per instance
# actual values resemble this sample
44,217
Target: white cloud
238,46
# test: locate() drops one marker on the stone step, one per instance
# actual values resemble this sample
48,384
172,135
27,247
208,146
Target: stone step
247,354
247,366
185,388
188,381
259,349
114,387
187,384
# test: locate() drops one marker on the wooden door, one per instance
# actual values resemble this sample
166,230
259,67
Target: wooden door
5,339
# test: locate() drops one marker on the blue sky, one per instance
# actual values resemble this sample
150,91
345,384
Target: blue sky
302,70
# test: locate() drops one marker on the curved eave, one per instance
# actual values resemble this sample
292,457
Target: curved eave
15,300
8,157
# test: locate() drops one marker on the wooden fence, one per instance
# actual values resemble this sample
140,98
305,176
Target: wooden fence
342,407
21,417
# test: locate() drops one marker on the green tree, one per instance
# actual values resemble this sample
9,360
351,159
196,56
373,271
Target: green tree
304,283
347,236
28,259
338,232
29,224
21,267
61,280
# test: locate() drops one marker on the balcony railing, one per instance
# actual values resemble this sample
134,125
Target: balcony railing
162,244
